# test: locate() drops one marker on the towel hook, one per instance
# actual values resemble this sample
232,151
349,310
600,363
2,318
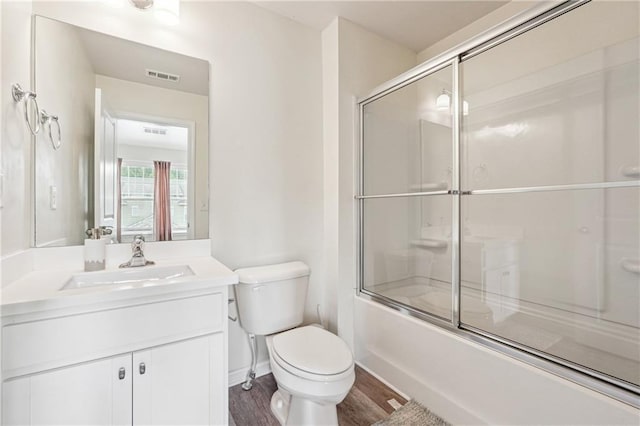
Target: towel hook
47,120
29,99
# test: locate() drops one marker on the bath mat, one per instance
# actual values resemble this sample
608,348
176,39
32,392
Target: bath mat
412,414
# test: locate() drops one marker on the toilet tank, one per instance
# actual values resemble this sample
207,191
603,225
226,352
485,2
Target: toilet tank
271,298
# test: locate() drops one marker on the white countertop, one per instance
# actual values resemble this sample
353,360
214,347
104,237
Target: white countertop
39,292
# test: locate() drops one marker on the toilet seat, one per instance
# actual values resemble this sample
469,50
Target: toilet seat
312,353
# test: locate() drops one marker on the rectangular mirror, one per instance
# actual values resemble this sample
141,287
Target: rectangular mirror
133,138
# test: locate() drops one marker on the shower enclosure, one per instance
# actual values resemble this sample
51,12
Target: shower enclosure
499,193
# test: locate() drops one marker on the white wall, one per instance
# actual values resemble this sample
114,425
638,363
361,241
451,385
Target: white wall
354,61
134,100
331,167
16,140
266,127
65,88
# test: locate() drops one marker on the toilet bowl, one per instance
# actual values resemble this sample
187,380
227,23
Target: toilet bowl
313,368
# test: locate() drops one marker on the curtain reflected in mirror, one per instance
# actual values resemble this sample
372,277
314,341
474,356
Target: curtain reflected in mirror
162,201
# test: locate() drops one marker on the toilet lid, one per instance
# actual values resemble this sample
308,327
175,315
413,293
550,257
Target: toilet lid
313,350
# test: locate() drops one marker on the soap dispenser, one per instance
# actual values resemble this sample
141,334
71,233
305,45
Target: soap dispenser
94,249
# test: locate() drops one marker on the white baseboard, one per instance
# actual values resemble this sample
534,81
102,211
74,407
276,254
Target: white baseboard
237,376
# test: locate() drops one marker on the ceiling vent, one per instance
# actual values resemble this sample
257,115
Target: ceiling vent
160,75
155,131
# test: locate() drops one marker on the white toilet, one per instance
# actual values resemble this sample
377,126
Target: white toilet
313,368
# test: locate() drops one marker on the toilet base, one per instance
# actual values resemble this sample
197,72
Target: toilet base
280,405
295,411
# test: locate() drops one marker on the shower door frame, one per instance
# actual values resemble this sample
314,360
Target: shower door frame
519,24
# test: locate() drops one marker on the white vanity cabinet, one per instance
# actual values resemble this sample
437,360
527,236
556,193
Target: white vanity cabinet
179,383
141,362
90,393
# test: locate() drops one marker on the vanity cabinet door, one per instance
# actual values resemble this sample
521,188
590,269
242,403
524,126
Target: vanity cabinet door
179,383
15,402
95,393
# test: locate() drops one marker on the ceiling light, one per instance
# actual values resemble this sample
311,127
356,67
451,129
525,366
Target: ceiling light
167,11
443,101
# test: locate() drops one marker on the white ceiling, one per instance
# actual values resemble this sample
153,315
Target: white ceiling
126,60
413,24
132,132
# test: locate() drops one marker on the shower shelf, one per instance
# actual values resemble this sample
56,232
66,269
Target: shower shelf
429,243
630,171
630,265
429,186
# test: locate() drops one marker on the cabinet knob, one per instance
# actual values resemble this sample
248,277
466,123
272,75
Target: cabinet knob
121,373
143,368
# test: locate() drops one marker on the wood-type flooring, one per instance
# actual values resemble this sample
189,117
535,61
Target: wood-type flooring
365,404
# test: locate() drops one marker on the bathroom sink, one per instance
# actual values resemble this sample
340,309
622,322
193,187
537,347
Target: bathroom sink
131,276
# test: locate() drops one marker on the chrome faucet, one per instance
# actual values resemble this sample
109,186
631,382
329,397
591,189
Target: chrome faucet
137,256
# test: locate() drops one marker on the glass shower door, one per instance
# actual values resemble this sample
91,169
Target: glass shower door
406,207
550,231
